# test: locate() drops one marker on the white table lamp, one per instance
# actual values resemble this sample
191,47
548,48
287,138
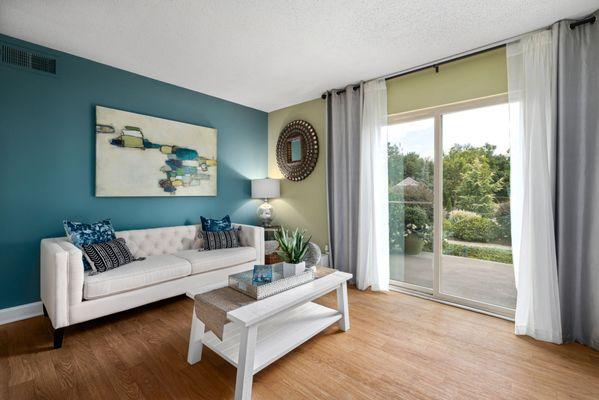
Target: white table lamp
265,189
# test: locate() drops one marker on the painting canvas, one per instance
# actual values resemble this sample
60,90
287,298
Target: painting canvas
139,155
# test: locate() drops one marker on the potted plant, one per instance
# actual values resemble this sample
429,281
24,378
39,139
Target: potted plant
292,249
416,230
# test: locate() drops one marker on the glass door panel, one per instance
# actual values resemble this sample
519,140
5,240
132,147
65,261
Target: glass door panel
411,150
476,261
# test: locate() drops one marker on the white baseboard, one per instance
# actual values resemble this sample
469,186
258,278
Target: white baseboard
8,315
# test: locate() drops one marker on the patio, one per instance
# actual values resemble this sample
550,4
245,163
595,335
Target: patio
486,281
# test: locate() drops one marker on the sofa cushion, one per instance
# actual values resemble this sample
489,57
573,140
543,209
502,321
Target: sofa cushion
138,274
209,260
160,241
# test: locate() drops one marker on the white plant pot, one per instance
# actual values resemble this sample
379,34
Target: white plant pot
293,269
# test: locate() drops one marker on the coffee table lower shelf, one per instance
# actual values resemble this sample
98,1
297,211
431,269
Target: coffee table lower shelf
264,331
277,336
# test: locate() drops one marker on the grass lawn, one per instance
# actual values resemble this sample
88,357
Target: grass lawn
481,253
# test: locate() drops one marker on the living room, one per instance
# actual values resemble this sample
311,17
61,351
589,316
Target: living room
323,200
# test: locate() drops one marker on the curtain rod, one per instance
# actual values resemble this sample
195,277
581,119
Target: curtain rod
479,50
589,20
435,64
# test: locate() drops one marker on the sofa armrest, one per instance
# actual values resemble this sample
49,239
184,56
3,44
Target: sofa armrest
253,236
61,279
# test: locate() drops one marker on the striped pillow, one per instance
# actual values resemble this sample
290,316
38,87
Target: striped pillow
108,255
221,240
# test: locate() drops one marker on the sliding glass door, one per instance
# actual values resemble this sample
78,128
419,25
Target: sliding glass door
477,259
411,201
449,211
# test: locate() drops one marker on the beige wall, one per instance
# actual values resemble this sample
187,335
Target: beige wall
473,77
303,204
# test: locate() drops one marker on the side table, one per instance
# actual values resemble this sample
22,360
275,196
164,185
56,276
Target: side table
269,232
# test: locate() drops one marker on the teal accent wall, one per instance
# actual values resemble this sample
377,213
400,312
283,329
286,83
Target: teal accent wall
47,158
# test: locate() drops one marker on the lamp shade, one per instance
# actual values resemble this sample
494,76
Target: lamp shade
266,188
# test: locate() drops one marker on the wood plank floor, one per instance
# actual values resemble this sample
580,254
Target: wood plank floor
398,347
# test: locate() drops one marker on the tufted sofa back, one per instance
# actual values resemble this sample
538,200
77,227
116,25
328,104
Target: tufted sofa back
157,241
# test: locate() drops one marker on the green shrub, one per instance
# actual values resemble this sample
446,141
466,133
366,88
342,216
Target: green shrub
447,228
472,227
416,216
428,246
477,187
396,226
419,193
503,218
481,253
399,217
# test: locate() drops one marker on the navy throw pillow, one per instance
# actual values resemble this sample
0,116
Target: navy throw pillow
81,234
216,225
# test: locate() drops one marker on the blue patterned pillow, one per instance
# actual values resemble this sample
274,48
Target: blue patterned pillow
81,234
216,225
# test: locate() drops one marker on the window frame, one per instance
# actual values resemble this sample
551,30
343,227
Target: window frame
436,113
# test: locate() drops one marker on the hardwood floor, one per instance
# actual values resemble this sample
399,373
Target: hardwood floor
398,347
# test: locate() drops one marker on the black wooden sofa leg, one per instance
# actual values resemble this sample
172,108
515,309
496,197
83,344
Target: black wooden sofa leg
58,335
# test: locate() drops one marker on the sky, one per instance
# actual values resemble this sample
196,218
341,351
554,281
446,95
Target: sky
476,127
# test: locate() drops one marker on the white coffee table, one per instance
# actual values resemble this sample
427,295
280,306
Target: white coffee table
262,332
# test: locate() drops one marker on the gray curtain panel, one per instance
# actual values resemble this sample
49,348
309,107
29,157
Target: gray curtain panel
344,118
577,180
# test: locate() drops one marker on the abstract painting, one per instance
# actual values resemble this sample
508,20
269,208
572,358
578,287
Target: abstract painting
139,155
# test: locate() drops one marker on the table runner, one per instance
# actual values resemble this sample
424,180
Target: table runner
212,307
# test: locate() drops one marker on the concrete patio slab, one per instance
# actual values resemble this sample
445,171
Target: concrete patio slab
485,281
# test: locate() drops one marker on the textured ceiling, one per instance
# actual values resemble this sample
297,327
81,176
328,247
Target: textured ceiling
269,54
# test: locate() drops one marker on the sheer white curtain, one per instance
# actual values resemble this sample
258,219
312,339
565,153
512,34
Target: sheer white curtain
372,269
531,99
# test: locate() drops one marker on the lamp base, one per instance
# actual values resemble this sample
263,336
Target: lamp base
265,214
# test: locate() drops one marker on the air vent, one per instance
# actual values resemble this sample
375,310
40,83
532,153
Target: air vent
22,58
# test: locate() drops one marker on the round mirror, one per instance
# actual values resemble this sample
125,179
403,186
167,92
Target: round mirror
297,150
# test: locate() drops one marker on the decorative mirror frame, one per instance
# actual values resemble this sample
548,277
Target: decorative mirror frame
297,170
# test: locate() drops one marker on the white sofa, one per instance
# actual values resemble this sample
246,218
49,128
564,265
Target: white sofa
173,266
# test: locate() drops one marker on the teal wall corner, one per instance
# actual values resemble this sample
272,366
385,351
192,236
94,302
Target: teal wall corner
47,158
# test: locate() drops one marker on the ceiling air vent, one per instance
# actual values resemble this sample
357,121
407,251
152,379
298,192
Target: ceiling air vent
19,57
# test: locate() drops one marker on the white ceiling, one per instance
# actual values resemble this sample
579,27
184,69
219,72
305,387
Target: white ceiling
269,54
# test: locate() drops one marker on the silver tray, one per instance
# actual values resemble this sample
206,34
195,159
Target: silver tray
242,282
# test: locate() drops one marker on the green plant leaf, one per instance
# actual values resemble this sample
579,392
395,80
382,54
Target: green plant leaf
293,246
